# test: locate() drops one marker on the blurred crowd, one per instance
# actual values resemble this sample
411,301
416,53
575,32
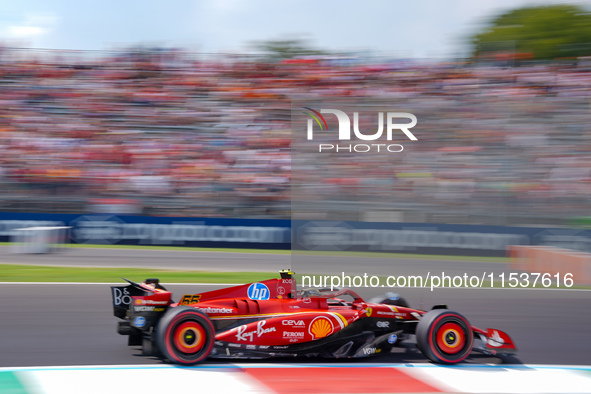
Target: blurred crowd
187,136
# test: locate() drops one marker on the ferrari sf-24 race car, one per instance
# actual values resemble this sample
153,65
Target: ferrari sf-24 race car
272,319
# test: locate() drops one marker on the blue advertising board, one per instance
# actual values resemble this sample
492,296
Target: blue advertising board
427,238
162,231
423,238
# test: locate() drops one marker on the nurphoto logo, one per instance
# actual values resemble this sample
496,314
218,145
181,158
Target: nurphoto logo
392,125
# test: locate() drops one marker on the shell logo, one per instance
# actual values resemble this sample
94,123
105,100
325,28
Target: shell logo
320,327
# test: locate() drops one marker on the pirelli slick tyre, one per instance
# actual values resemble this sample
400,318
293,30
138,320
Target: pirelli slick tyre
185,335
444,336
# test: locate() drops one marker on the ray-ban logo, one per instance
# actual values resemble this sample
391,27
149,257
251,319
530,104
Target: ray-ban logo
392,125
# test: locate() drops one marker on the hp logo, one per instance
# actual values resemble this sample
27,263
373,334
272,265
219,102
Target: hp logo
258,291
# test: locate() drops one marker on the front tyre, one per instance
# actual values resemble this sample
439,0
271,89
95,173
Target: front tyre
444,336
185,335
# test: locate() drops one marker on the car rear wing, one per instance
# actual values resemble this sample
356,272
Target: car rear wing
121,295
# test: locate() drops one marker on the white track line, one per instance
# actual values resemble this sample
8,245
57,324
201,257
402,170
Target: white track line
115,283
309,365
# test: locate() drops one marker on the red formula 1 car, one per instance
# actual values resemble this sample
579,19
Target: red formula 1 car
272,319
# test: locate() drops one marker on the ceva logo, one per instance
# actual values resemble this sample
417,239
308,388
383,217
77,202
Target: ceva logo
293,323
345,130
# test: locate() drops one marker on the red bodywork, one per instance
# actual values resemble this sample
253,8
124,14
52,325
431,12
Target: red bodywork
272,318
285,321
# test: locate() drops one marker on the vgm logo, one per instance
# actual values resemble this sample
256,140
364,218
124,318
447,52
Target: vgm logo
258,291
345,131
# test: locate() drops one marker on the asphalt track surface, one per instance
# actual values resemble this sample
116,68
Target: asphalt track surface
45,325
56,325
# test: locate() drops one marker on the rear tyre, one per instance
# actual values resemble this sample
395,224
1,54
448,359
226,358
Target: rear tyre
444,336
185,335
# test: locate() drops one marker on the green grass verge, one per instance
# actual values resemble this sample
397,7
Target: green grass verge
40,274
34,273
